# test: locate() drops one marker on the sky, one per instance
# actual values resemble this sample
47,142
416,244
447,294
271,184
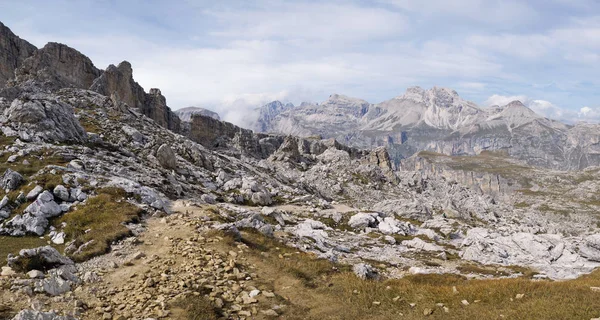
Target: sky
234,56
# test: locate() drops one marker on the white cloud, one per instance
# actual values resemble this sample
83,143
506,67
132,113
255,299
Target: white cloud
334,23
484,11
500,100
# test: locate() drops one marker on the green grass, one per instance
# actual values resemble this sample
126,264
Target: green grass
14,244
104,215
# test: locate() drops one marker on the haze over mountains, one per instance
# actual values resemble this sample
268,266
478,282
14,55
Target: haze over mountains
438,120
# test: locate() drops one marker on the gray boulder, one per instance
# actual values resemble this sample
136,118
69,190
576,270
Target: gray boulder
166,157
261,199
365,271
61,192
21,225
362,220
46,119
11,180
44,206
38,315
590,249
47,257
34,193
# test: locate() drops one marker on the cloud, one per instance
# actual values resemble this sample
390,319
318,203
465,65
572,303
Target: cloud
500,100
232,56
492,12
334,23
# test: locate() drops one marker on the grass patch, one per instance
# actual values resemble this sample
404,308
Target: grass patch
336,293
104,216
14,244
197,308
310,270
475,269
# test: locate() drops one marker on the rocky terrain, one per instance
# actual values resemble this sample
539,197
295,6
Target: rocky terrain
112,207
438,120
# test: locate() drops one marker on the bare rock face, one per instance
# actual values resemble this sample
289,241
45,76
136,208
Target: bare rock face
166,157
381,158
213,133
117,82
59,66
155,107
44,119
13,51
185,114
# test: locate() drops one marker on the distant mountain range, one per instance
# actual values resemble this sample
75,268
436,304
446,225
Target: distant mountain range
438,120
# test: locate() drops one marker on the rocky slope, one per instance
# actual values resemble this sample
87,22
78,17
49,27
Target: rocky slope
439,120
89,164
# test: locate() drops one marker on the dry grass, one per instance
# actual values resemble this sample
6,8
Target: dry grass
104,215
14,244
197,308
330,291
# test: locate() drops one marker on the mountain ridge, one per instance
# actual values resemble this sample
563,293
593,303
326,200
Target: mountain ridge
439,120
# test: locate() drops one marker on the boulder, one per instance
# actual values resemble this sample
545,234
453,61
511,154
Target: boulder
45,119
45,257
365,271
261,199
21,225
34,193
362,220
61,192
38,315
54,285
44,206
166,157
590,249
35,274
11,180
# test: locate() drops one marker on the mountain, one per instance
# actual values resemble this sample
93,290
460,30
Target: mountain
439,120
112,207
185,114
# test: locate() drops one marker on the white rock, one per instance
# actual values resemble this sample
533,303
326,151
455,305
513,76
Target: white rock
34,193
61,192
254,293
58,238
7,272
35,274
362,220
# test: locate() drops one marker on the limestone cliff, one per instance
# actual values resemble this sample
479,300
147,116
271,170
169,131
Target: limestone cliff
13,51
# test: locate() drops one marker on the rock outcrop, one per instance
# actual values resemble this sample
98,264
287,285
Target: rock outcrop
185,114
13,51
118,83
58,66
47,119
155,107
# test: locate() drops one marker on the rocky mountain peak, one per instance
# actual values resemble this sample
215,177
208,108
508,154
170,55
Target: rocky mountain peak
13,51
345,101
60,65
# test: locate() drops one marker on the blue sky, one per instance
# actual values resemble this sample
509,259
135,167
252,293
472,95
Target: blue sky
232,56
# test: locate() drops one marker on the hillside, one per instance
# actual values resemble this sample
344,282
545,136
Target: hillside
112,207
